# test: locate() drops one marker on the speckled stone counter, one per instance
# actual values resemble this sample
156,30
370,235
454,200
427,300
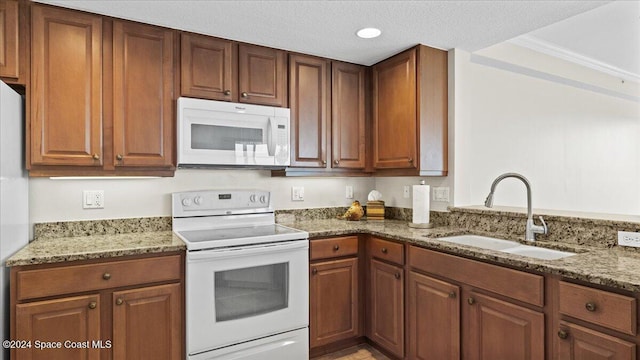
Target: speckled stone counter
62,249
616,267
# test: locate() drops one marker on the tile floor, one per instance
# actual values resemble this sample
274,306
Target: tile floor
359,352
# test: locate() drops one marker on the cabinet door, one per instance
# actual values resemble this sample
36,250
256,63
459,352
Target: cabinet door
146,323
73,319
347,115
395,113
262,75
309,101
207,68
500,330
387,307
143,118
577,343
66,95
9,56
333,301
434,319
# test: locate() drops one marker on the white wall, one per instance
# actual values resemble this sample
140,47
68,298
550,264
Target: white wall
61,200
577,145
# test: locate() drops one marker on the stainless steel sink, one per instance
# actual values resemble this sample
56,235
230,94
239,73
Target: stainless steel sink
506,246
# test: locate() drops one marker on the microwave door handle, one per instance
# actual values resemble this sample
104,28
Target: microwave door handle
270,143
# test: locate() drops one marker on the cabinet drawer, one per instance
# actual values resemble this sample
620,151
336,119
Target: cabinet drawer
518,285
386,250
614,311
79,278
333,247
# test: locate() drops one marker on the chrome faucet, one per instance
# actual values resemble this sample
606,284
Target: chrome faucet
532,229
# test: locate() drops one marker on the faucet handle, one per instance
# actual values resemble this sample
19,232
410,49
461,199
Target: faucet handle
544,226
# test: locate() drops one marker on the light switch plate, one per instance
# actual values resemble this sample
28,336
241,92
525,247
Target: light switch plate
440,194
93,199
406,193
629,238
349,192
297,193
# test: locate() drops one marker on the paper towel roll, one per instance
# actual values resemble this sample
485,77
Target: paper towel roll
421,204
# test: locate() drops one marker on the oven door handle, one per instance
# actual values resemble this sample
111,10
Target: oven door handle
247,250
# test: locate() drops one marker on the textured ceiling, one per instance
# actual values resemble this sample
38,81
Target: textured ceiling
327,28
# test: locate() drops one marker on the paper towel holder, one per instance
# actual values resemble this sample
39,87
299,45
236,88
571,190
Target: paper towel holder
428,225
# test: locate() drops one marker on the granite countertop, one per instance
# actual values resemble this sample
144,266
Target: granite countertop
614,267
44,251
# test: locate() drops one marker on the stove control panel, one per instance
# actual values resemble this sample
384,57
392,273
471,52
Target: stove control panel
220,202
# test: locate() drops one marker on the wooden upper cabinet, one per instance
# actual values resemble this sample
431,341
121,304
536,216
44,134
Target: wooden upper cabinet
309,101
348,115
262,75
66,95
208,68
9,51
147,323
75,319
394,112
410,112
143,117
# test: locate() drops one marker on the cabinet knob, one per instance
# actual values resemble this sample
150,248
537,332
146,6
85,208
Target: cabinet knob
471,301
96,157
590,306
336,247
119,157
410,160
453,295
244,94
336,162
397,275
324,162
106,276
384,250
119,301
314,271
228,92
93,305
562,334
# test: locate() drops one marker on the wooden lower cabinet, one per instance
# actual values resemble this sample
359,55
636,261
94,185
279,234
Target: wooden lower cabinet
434,321
70,324
578,343
125,315
146,323
386,295
334,303
496,329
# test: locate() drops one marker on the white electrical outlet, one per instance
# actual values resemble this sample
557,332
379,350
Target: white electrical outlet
629,238
297,193
93,199
406,192
440,194
349,192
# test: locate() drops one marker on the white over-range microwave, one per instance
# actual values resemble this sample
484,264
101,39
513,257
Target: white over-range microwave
219,133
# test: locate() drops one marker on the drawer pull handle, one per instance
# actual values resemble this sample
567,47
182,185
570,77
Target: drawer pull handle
106,276
397,275
453,295
563,334
314,271
119,301
471,301
384,250
93,305
590,306
336,247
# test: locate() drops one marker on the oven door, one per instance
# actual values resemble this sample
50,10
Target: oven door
239,294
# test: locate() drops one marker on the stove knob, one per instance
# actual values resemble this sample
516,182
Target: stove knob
252,198
186,202
263,199
198,200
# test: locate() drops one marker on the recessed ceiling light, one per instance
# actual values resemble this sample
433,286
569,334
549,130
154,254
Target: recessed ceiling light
368,33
